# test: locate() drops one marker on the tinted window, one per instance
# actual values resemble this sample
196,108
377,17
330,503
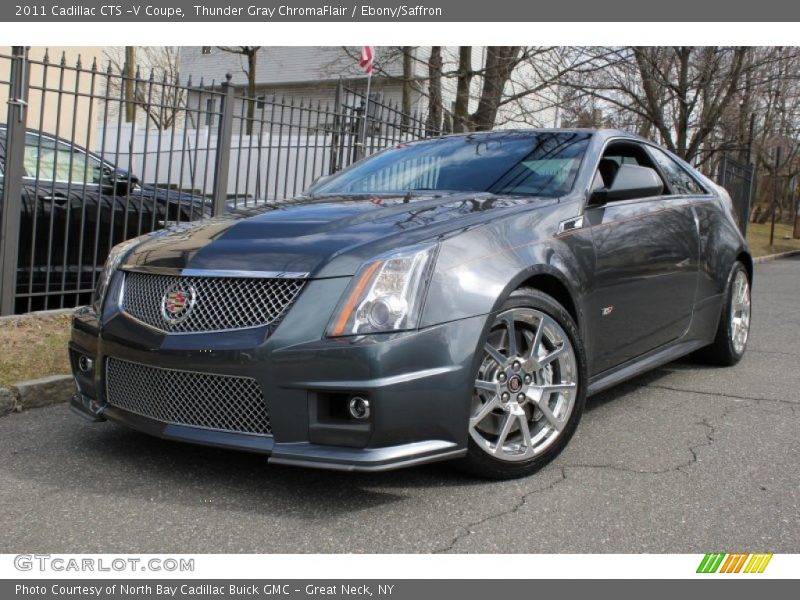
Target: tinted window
536,164
49,160
679,179
616,155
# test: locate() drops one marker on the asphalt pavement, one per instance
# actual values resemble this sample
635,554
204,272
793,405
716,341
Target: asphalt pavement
687,458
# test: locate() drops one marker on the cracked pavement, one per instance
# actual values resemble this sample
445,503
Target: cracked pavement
684,459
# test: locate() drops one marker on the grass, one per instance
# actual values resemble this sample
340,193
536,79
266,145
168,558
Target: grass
33,347
758,238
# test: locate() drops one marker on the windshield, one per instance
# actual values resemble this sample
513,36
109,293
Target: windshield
513,163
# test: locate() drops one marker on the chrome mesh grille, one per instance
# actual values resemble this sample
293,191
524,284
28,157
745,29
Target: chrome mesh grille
188,398
220,303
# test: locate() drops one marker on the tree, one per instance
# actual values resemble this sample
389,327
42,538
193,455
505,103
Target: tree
152,86
408,83
775,99
250,53
130,66
678,93
385,67
703,103
435,108
464,75
500,63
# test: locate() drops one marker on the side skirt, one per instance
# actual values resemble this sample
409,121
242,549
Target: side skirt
643,364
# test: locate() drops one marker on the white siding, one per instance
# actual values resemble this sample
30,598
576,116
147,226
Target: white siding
280,64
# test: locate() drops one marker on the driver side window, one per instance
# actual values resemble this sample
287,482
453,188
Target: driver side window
615,155
47,159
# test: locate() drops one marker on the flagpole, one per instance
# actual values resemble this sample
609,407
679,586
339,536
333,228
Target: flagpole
366,116
366,109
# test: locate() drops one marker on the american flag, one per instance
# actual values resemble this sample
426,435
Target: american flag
367,58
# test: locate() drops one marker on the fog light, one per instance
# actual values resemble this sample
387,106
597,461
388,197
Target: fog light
359,408
85,363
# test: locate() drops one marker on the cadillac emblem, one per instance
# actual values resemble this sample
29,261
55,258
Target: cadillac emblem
177,304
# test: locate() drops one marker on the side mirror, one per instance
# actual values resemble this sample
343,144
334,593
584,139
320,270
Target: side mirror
120,180
630,182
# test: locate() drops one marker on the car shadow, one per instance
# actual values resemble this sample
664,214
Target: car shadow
233,480
649,378
118,460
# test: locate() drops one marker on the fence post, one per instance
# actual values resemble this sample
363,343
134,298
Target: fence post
721,170
775,196
11,199
222,160
337,121
748,198
360,145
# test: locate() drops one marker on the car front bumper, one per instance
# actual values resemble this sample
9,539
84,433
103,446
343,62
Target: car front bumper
418,384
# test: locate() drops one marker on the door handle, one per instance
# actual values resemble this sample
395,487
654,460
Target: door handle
56,197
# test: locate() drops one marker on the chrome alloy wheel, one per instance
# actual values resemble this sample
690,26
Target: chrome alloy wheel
740,311
526,386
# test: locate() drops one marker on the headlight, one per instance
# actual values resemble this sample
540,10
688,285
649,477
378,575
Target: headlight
118,252
386,294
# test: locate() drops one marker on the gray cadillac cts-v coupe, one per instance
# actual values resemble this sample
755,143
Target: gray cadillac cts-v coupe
456,298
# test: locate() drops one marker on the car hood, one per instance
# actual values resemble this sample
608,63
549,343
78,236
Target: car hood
321,237
148,190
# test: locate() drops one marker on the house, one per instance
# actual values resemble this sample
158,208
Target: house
310,73
48,110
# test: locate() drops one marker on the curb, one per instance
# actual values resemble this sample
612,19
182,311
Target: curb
35,393
771,257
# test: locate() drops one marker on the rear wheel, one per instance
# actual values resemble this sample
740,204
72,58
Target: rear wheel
529,388
734,322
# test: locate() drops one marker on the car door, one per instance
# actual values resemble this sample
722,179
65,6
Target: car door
76,208
61,191
687,185
646,266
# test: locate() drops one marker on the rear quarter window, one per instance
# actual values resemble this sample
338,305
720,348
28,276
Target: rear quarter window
679,179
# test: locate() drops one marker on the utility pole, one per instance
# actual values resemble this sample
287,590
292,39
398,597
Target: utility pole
130,106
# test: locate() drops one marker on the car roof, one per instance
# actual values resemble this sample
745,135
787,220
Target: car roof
601,133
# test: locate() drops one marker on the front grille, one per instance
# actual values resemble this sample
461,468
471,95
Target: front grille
189,398
217,303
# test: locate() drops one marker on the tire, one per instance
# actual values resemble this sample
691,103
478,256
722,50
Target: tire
727,349
524,408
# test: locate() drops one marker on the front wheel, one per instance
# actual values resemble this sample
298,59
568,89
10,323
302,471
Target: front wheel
529,389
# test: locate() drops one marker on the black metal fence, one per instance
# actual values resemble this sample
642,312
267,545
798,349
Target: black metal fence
91,156
738,179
